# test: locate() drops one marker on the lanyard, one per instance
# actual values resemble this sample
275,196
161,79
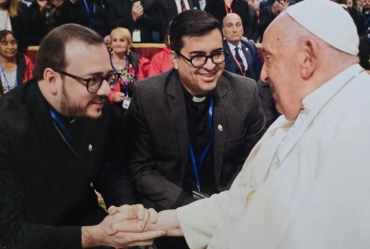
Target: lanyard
227,9
191,150
88,11
237,63
8,86
60,124
127,65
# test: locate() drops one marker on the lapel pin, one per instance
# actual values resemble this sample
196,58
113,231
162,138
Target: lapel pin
90,147
220,128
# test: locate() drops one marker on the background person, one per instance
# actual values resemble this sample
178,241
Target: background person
13,17
129,64
15,67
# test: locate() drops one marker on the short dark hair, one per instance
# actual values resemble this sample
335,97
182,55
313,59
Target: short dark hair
4,33
191,23
51,52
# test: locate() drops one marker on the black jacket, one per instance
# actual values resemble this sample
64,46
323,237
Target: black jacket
21,28
45,191
120,16
94,18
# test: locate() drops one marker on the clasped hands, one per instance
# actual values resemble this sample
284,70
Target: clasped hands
128,226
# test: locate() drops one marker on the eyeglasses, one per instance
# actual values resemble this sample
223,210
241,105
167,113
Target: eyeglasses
94,83
199,61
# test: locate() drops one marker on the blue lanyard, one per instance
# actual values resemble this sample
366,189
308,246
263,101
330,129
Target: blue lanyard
88,11
8,86
191,150
60,124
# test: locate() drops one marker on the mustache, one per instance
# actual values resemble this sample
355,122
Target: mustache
99,99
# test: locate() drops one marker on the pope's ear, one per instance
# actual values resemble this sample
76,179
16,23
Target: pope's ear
174,59
309,58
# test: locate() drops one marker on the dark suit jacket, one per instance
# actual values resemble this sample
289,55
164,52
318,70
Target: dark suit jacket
157,134
165,11
364,52
240,7
266,17
267,103
20,27
45,191
253,60
120,16
77,13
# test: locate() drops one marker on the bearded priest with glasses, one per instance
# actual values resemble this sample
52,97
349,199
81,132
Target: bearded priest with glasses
54,142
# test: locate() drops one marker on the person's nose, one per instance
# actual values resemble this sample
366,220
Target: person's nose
105,89
209,64
264,75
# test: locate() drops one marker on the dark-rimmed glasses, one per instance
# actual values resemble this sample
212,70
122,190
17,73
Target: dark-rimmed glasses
200,60
94,83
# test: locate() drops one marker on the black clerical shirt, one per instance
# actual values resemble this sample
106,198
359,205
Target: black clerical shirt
199,135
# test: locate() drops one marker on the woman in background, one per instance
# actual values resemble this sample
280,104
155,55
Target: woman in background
13,17
15,67
131,65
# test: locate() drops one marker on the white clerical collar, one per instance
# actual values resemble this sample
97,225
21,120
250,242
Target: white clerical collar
198,99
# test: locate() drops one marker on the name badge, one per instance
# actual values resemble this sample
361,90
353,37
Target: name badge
126,103
136,37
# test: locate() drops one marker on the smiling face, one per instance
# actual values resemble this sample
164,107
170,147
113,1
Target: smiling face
8,47
120,43
281,69
84,61
199,81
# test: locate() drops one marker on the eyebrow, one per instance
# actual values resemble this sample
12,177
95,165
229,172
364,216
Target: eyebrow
101,73
202,52
265,51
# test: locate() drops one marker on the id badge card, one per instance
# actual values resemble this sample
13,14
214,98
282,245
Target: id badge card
126,103
136,35
199,195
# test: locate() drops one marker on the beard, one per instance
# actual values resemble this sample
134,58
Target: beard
70,108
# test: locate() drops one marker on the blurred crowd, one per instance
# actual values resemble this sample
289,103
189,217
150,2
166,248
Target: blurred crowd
122,23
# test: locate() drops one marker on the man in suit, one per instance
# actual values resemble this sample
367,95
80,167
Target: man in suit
189,130
166,10
136,16
269,13
54,140
220,8
243,58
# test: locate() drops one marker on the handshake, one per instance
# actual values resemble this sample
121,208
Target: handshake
128,226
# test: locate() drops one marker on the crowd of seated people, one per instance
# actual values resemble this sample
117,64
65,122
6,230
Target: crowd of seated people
122,23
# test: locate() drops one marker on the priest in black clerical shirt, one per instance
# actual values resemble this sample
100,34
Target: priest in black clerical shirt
188,131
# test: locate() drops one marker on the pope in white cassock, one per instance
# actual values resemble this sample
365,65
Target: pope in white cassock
306,184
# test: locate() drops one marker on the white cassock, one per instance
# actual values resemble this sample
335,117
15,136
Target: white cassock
306,183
